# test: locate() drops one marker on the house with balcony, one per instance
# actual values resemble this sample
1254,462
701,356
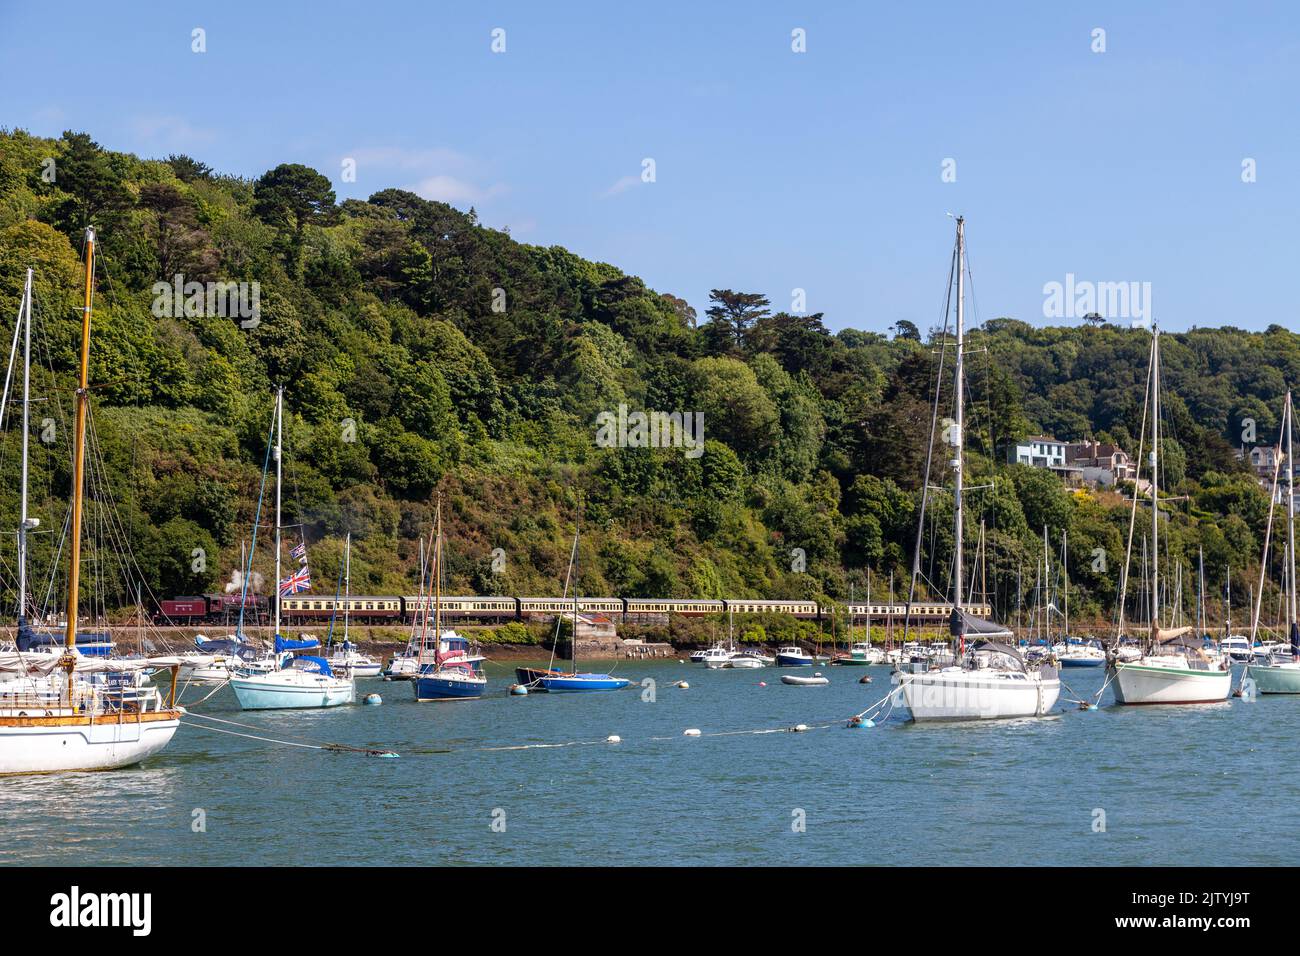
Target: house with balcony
1100,463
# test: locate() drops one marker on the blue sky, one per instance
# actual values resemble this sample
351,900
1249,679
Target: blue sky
774,170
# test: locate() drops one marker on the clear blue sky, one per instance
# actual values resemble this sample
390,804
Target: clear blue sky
775,170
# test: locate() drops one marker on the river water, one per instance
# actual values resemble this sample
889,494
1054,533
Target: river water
1117,786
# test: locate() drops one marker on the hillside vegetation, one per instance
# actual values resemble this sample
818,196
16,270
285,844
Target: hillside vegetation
421,351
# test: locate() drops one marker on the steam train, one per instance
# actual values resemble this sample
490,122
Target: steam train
404,609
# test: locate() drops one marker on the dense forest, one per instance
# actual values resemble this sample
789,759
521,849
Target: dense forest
422,352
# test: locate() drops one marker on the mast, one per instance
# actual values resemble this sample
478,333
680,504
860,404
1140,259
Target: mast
577,537
958,623
437,587
79,460
23,521
347,583
1047,590
1155,483
1200,592
1292,628
1065,577
279,436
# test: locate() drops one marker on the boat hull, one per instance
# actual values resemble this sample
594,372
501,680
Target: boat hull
579,683
259,693
1146,684
1082,661
1275,680
430,687
787,660
949,695
75,742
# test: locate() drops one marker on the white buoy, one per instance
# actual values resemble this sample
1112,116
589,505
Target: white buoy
799,728
613,739
683,685
691,732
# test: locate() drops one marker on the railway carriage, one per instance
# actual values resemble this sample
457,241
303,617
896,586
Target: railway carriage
464,607
806,609
685,606
362,609
549,607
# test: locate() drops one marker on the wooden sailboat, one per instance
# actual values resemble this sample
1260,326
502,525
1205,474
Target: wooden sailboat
52,717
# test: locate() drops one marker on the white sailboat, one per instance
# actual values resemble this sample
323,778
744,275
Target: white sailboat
1173,668
347,660
989,679
293,682
1278,670
54,715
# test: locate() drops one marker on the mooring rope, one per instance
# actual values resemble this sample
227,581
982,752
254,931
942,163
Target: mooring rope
306,741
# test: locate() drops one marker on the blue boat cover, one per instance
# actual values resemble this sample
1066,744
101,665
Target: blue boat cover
96,643
317,665
284,644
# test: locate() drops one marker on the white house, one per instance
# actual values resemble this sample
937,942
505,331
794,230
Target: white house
1040,451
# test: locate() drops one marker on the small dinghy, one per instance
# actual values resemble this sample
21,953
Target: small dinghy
799,681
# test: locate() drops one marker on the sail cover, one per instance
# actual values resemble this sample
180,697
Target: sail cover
284,644
1179,637
95,643
965,624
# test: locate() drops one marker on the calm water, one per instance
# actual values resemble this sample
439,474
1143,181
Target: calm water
1178,785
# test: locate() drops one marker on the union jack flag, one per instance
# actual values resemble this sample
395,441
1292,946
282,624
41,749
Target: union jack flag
300,552
298,581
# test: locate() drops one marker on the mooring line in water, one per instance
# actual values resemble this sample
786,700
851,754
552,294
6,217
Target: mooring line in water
202,700
797,728
300,742
1076,699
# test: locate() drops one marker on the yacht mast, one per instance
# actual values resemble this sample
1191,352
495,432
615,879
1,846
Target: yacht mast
577,536
279,435
79,461
958,623
347,583
23,521
1155,484
1292,628
437,588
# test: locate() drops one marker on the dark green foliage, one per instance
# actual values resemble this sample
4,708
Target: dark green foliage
422,351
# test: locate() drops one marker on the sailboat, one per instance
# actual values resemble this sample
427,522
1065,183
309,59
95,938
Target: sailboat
558,681
1173,668
288,681
53,718
989,679
405,664
456,672
1279,672
347,660
1078,651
